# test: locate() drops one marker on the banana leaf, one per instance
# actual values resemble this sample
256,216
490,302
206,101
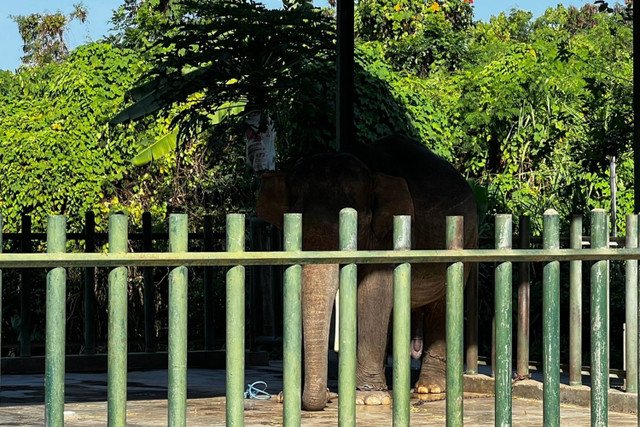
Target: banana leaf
161,147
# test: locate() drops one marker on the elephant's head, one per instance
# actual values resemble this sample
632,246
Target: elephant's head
319,188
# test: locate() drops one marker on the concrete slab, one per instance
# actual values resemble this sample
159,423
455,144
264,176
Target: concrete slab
22,398
478,411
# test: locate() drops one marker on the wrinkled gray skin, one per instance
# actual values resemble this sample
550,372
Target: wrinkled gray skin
393,176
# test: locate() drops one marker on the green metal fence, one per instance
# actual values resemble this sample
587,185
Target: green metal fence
118,259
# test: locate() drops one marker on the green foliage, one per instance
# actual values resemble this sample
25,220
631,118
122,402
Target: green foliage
57,153
416,34
541,105
390,102
43,34
529,109
138,24
161,147
219,52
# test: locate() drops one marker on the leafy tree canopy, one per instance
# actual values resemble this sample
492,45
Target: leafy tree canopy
43,34
57,153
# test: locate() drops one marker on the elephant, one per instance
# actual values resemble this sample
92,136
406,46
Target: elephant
394,175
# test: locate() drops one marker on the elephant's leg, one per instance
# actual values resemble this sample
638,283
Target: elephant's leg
375,302
433,372
319,286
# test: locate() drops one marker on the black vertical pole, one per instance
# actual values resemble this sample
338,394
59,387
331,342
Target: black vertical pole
209,325
345,64
636,110
26,279
149,292
89,286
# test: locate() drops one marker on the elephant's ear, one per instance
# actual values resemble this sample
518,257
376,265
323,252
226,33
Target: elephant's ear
273,198
392,197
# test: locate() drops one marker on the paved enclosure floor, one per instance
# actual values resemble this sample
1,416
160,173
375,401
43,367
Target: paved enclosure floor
22,398
478,411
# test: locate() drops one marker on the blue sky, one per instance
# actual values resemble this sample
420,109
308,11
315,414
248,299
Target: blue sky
100,13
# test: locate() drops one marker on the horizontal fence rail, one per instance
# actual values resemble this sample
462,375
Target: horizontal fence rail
210,259
348,257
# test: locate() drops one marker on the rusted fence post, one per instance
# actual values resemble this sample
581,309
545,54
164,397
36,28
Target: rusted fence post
471,298
257,243
149,292
209,324
524,287
493,345
89,286
25,290
1,225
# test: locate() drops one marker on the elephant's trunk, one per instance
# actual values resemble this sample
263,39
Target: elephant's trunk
319,286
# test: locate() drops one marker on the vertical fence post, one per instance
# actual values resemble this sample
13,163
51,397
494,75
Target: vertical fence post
503,308
178,285
292,333
493,345
256,242
348,227
25,291
524,287
89,286
472,320
274,243
599,323
401,324
209,326
575,305
631,305
1,225
454,322
56,300
235,324
149,294
117,347
551,322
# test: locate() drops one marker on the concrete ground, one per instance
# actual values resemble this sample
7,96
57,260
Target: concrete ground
22,398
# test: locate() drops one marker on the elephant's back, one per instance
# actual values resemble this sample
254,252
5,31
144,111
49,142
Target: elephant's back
437,188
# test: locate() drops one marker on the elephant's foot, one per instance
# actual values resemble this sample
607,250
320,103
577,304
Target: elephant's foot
373,397
371,389
329,397
433,375
370,382
315,401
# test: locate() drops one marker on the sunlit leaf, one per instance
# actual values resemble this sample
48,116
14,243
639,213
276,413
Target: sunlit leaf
160,148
